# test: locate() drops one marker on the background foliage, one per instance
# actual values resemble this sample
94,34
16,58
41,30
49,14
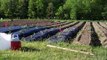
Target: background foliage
60,9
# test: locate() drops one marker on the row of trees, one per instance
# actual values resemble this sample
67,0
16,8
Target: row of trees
62,9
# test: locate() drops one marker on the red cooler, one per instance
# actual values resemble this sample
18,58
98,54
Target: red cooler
15,43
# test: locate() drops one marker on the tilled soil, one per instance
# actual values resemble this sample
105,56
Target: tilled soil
102,33
104,25
87,36
86,33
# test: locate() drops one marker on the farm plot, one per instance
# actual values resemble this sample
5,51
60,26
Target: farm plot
87,36
26,31
104,25
11,29
29,31
85,33
47,33
66,34
32,23
42,34
102,33
37,39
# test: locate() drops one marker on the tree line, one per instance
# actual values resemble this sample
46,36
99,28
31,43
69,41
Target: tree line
59,9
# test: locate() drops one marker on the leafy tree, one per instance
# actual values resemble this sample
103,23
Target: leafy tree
104,12
63,9
40,8
3,7
60,13
32,9
50,10
1,10
10,8
22,8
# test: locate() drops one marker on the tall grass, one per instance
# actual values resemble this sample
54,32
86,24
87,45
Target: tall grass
39,51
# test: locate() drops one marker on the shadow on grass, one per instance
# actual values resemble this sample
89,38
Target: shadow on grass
29,49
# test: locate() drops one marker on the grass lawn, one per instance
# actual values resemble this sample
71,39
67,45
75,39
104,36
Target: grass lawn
39,51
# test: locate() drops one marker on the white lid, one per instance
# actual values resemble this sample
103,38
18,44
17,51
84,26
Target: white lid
15,37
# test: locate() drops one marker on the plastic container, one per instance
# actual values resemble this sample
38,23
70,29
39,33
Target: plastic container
5,40
9,41
15,42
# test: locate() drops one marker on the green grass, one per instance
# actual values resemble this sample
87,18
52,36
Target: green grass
39,51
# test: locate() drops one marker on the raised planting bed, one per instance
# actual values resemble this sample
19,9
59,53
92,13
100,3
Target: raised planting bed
87,36
103,24
10,29
68,25
102,33
29,31
42,34
66,34
30,22
57,25
60,25
47,33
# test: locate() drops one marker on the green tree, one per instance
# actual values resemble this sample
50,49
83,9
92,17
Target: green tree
60,13
50,10
22,8
10,8
63,9
1,9
104,12
32,9
40,8
71,7
96,9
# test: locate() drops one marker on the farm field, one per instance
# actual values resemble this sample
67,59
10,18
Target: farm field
84,36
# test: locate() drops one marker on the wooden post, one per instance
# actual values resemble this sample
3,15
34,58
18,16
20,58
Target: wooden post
87,53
